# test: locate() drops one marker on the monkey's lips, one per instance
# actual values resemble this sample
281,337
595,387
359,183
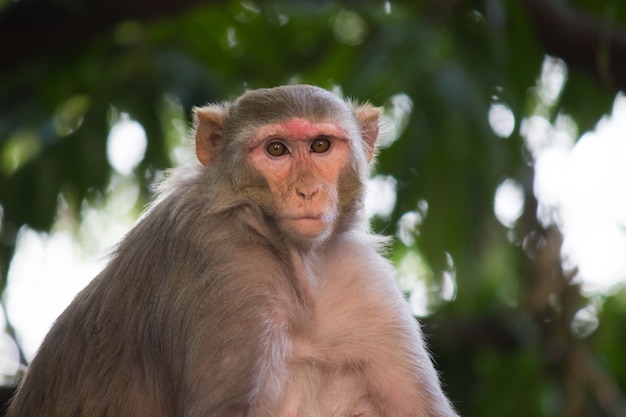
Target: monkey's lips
308,225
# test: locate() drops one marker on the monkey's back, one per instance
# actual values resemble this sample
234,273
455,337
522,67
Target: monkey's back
131,343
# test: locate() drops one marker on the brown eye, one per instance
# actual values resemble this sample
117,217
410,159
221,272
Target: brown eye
276,149
320,145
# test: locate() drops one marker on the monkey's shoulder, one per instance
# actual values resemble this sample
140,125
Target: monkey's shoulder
360,252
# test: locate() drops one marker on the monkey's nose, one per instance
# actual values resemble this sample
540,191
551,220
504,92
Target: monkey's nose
306,192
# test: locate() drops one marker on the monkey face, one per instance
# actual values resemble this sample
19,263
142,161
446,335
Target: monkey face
301,162
298,153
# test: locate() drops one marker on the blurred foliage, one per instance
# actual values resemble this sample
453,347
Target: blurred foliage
453,59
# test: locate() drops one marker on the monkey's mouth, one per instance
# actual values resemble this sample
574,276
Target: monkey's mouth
307,219
308,225
311,217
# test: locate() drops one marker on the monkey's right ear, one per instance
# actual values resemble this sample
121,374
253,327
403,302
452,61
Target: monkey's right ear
209,126
368,117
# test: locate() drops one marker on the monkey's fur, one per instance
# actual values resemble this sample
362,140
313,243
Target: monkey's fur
215,306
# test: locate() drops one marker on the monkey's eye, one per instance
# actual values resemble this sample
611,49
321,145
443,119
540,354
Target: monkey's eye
276,149
320,145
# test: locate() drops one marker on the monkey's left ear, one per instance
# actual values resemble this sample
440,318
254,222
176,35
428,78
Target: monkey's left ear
368,117
209,126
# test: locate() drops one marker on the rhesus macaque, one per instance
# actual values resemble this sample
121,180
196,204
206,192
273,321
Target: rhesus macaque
252,287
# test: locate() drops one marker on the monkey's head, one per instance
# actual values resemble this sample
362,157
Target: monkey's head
299,153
